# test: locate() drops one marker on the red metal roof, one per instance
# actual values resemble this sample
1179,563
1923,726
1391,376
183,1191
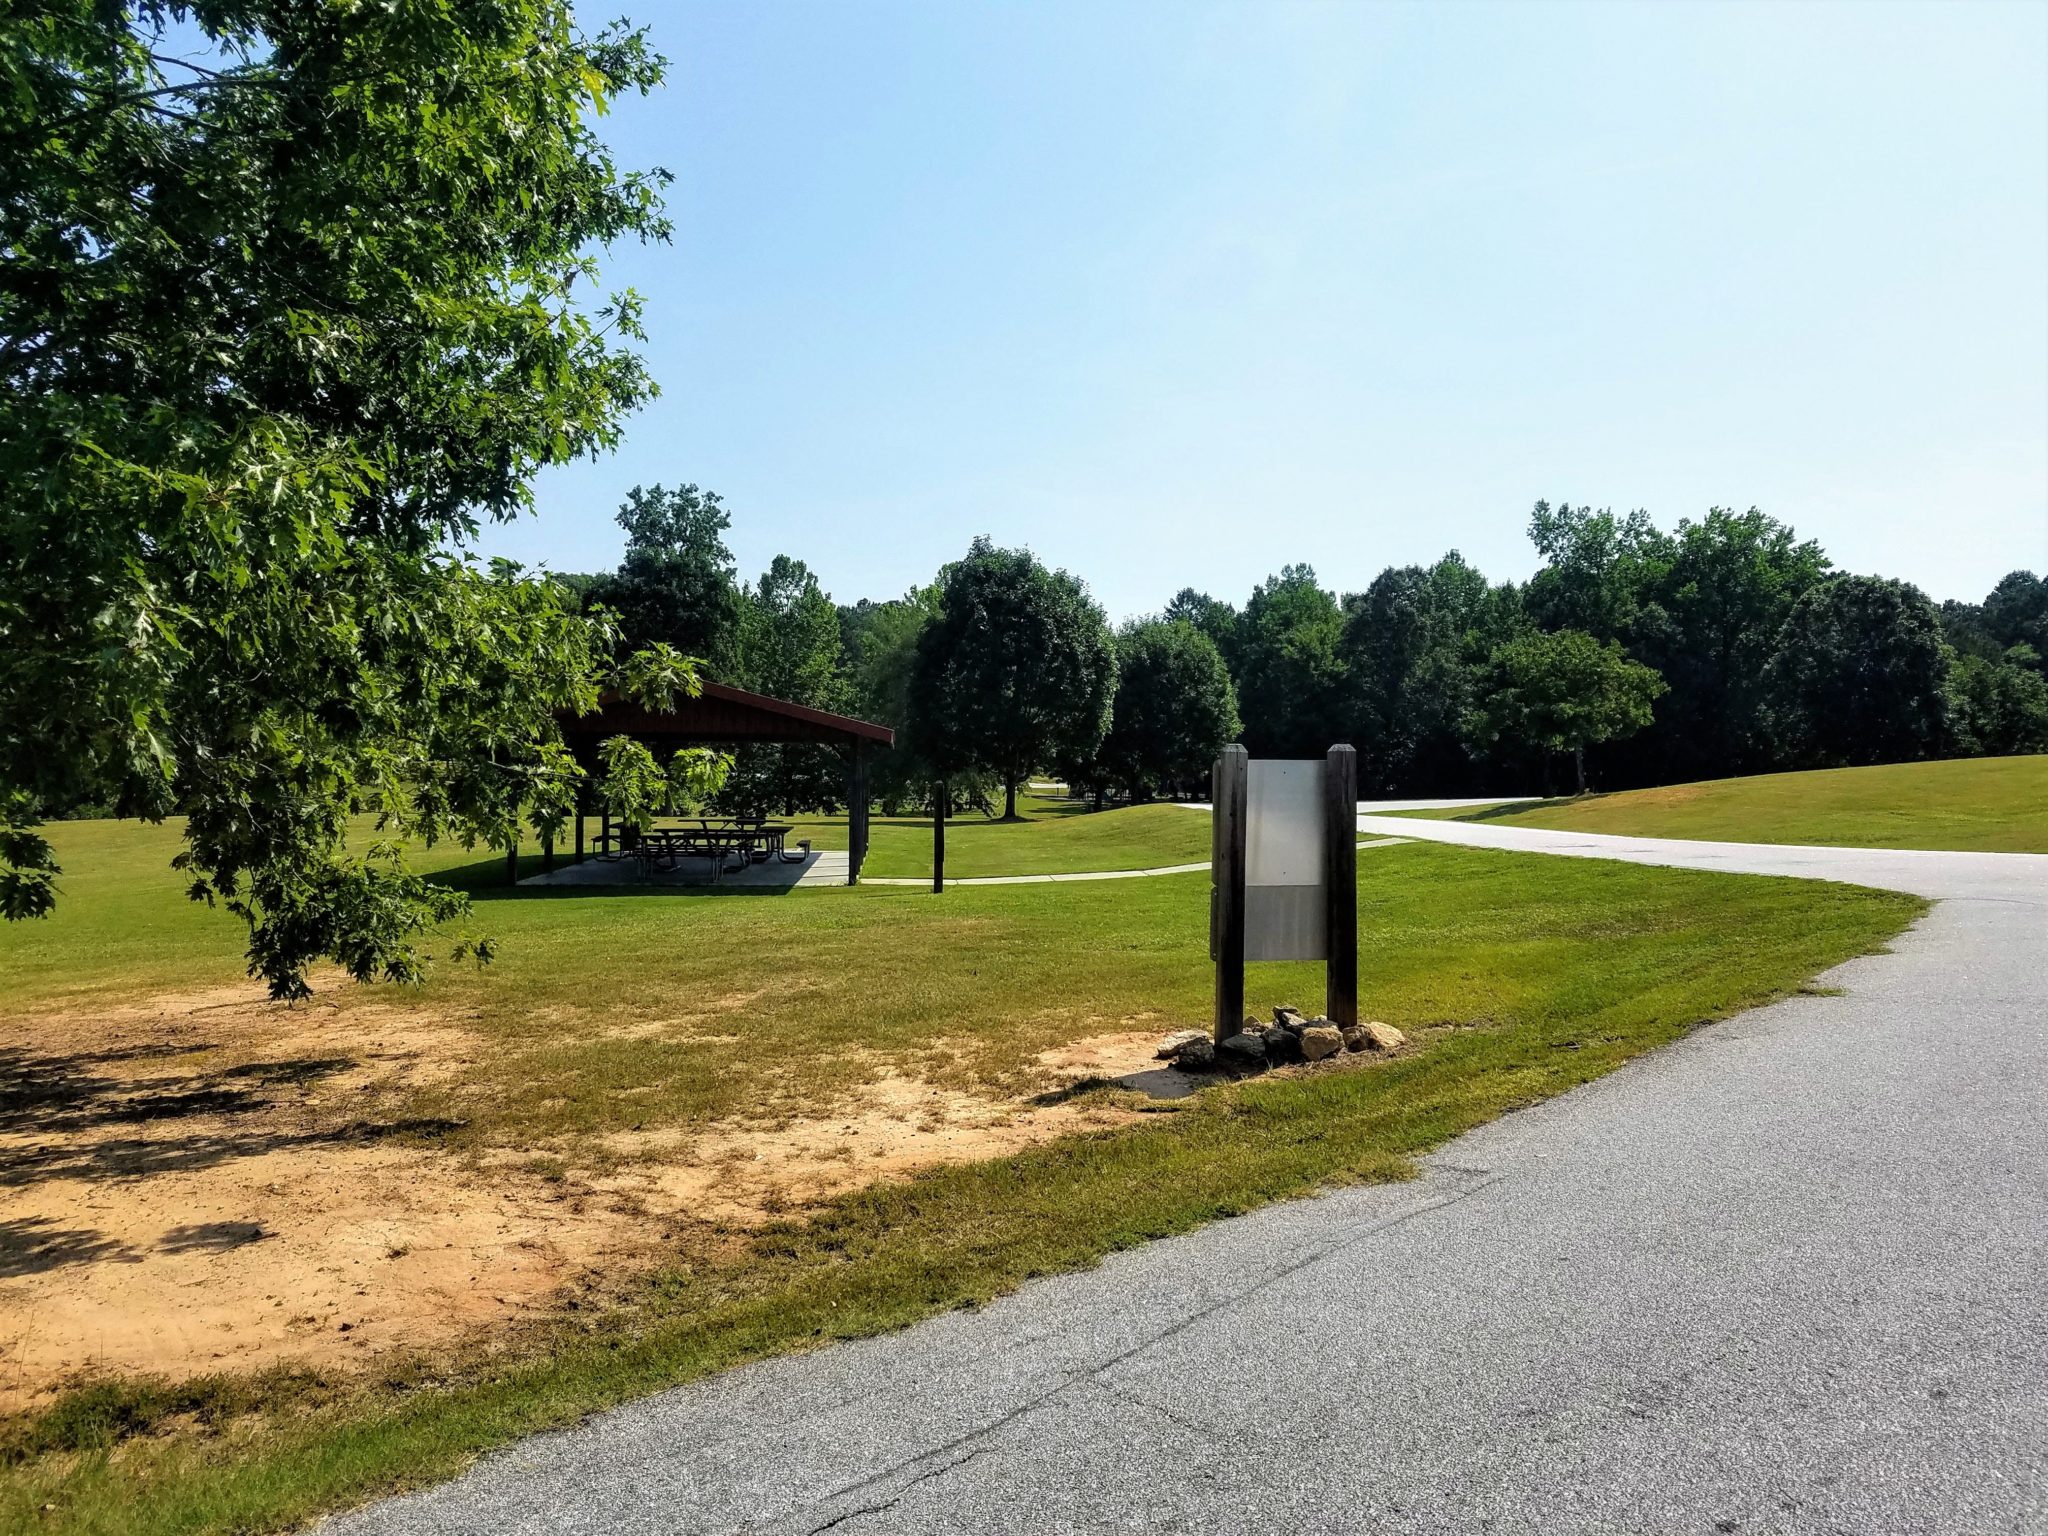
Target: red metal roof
721,714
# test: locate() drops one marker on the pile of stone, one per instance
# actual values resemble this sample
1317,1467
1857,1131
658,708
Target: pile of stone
1291,1037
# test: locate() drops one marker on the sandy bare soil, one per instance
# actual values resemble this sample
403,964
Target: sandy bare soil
212,1182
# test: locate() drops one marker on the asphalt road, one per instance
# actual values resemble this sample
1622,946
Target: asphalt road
1788,1276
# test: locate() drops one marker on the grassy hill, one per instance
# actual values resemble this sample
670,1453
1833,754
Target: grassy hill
1983,804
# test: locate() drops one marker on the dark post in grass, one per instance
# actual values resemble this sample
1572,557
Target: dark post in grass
512,862
856,812
1340,869
1226,914
939,793
582,804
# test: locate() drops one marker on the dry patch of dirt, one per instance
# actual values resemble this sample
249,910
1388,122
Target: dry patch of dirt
316,1254
213,1182
704,1025
743,1173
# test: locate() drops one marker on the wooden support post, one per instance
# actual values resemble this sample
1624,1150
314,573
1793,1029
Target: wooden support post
604,832
939,794
1226,865
856,813
512,862
865,809
582,803
1340,870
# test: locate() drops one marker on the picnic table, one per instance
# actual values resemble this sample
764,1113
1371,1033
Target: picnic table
719,841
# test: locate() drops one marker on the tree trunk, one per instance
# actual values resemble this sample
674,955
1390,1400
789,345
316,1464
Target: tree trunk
1579,766
1009,799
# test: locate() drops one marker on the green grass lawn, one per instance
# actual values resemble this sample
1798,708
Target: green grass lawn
1982,804
123,925
1517,977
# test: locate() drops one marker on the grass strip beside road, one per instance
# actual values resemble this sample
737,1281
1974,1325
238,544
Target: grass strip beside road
1520,976
1980,805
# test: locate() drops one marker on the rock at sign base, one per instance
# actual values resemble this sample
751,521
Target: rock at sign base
1176,1042
1288,1017
1198,1055
1282,1046
1245,1049
1320,1040
1375,1036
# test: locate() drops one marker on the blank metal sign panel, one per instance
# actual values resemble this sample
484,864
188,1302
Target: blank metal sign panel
1284,862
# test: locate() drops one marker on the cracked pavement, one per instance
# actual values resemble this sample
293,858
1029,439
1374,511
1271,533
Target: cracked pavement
1785,1276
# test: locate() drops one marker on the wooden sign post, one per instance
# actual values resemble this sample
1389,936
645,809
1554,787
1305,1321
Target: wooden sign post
1226,891
1340,912
1284,872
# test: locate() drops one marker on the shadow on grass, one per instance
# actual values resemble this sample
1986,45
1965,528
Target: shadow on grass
214,1236
484,880
69,1098
64,1092
31,1245
134,1157
1152,1082
1517,807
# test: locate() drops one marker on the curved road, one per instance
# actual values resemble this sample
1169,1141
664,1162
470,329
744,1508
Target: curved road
1790,1275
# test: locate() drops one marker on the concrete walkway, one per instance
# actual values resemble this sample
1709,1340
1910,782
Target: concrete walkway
1093,874
1790,1275
818,868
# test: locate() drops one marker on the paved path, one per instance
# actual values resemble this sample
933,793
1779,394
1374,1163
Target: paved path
1790,1275
1086,874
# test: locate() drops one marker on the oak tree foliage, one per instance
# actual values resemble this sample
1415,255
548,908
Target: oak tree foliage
1860,676
293,295
1565,691
1174,709
1015,671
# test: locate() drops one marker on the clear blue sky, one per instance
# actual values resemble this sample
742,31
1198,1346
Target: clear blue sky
1177,293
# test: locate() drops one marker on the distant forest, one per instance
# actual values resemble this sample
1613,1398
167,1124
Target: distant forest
1634,656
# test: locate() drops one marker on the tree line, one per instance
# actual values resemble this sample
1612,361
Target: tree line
1633,656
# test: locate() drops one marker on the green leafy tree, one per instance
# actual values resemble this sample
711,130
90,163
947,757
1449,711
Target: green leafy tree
2000,707
790,638
1174,708
1414,643
1016,670
1708,617
1565,691
1597,568
633,788
2016,612
1212,616
676,582
881,643
1962,626
1860,676
789,646
280,323
1289,667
